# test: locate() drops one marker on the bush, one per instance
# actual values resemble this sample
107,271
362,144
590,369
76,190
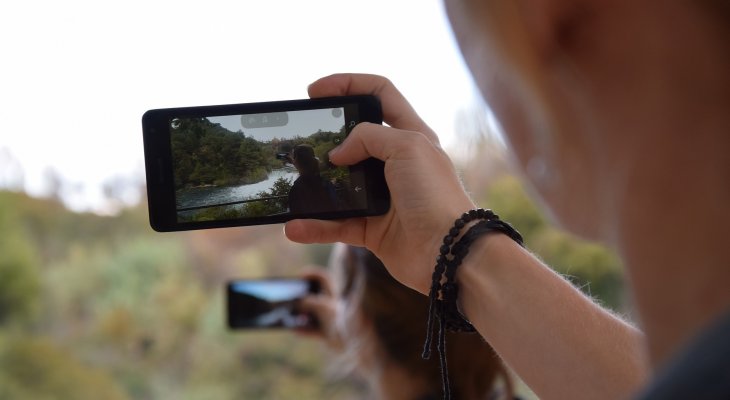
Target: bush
34,368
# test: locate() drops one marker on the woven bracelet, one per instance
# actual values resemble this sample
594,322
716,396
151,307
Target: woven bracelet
443,296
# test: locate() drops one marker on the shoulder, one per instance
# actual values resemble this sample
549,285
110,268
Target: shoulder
297,182
701,371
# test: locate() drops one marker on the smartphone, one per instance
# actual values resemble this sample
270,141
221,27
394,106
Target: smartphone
258,163
268,303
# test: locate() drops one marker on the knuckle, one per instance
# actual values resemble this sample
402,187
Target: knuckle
384,81
412,141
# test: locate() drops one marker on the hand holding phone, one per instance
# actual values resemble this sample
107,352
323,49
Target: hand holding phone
258,163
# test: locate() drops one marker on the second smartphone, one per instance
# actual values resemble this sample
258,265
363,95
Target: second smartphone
268,303
258,163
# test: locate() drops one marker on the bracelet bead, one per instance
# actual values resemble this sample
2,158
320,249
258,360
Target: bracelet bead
444,249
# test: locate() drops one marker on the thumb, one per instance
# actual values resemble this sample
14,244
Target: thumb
349,231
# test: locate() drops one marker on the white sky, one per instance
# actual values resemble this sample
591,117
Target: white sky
273,290
76,76
300,123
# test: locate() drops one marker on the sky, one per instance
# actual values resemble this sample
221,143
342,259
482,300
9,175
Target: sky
299,123
76,76
272,290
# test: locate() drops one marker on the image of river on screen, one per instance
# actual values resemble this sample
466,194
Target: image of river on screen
254,165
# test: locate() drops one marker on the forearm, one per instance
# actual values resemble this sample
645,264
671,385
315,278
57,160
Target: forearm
556,339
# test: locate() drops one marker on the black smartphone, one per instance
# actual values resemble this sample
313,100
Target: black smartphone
258,163
268,303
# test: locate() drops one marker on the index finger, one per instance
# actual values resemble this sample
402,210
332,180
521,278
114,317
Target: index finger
397,112
321,277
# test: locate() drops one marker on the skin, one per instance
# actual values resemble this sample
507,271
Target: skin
616,114
427,197
425,177
637,96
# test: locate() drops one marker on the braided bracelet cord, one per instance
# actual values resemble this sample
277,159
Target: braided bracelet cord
445,309
440,267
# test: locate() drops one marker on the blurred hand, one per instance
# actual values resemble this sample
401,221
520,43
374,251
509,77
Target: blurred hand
426,194
323,306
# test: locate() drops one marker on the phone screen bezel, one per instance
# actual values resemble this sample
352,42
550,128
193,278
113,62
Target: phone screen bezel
159,162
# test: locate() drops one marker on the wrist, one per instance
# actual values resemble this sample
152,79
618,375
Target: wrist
454,248
444,292
481,276
435,242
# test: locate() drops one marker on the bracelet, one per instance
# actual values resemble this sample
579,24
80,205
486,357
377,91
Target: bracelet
442,296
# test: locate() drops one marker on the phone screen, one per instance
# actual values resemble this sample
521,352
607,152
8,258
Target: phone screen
268,303
258,163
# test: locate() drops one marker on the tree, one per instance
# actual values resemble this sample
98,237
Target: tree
19,278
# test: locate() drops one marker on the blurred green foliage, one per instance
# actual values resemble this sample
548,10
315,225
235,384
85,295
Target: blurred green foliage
592,268
102,307
98,307
35,368
19,279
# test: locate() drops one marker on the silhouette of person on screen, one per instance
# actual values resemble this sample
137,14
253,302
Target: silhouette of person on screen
309,192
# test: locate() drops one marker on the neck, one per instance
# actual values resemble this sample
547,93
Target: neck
674,235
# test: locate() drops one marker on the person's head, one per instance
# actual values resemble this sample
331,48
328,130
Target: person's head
304,160
596,95
383,324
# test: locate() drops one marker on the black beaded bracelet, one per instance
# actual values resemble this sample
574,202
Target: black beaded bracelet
443,296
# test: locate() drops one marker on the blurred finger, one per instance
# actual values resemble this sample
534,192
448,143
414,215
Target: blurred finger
322,278
382,142
316,304
397,111
309,331
323,309
350,231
